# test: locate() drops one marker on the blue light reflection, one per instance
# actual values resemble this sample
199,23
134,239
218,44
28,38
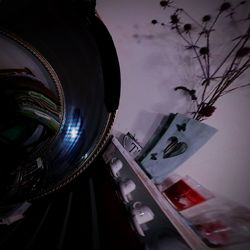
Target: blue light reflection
71,143
73,132
74,128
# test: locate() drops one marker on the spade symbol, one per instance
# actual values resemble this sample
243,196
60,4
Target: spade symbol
174,148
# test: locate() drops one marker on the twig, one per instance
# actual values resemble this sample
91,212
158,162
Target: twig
229,81
208,67
239,87
215,82
246,37
198,57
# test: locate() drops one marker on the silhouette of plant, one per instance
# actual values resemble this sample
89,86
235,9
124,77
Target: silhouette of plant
215,80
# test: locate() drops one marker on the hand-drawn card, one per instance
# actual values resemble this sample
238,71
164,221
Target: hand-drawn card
181,140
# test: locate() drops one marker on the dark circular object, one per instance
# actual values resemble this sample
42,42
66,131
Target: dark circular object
59,75
187,27
206,18
204,50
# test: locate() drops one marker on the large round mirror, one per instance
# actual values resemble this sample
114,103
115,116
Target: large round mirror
59,89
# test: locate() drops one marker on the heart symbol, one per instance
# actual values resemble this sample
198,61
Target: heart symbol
174,148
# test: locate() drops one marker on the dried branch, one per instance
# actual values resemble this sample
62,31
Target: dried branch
217,83
233,89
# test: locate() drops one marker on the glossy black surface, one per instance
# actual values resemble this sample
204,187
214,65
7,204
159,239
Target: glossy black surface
84,215
78,48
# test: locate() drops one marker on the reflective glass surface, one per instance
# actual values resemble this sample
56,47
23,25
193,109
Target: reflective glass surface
54,119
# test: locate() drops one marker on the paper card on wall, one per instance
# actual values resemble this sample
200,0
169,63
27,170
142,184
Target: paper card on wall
180,141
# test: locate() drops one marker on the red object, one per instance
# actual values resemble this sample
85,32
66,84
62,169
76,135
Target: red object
215,232
183,196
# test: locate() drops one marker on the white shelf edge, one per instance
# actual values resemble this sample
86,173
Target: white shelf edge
175,218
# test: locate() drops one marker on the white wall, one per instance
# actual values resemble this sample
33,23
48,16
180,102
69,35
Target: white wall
152,63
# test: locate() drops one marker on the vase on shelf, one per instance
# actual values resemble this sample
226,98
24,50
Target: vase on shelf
177,140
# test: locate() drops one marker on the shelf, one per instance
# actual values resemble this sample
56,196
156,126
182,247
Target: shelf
175,218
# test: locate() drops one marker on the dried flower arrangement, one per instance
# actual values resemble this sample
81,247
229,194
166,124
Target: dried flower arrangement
220,78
